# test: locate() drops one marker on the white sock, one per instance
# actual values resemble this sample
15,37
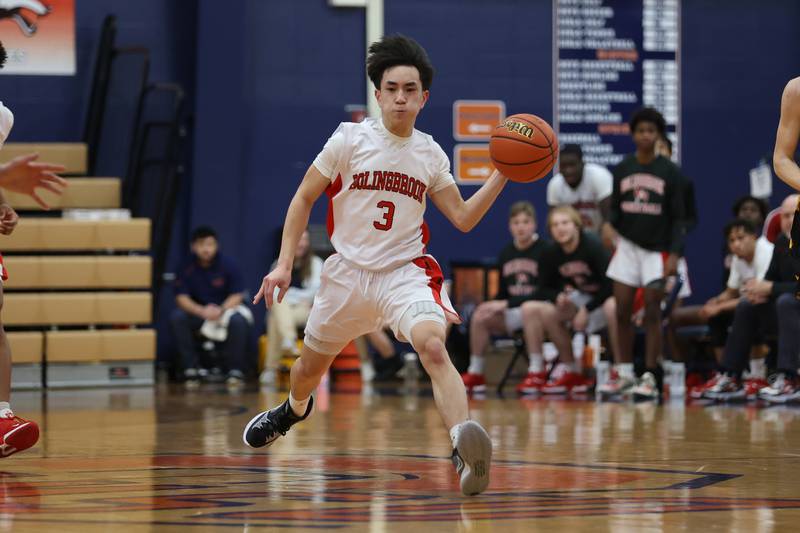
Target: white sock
536,363
757,368
475,364
5,410
625,370
298,406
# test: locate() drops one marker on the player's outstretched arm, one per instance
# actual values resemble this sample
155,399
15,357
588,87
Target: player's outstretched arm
312,186
788,132
24,175
465,215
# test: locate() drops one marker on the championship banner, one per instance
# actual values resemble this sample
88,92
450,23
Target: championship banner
39,37
612,57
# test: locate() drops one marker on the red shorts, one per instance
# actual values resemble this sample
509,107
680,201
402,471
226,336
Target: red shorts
3,271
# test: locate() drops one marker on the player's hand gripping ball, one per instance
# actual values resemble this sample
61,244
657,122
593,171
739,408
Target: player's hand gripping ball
523,148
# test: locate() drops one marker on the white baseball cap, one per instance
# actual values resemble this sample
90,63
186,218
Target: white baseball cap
6,123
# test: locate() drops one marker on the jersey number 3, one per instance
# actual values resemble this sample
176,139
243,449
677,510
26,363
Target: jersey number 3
388,216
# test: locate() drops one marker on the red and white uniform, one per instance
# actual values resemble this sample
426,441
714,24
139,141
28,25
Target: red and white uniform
377,200
6,123
377,194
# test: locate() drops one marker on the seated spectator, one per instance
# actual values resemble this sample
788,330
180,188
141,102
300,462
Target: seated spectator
292,312
753,255
751,208
755,317
208,294
717,318
519,273
586,187
576,297
779,288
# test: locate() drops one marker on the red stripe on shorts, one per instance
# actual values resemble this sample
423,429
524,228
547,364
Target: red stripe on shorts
332,190
435,281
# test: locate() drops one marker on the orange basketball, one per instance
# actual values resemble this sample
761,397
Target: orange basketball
523,148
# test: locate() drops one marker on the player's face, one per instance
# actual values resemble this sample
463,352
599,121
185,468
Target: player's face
522,227
563,229
205,249
571,167
741,243
401,98
749,211
645,136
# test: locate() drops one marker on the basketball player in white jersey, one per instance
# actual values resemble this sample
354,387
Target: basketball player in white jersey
22,175
378,175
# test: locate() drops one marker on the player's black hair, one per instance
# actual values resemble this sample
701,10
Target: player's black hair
649,114
394,50
742,223
574,149
763,208
3,55
668,142
202,232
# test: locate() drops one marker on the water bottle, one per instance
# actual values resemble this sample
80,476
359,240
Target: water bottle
578,344
675,378
603,373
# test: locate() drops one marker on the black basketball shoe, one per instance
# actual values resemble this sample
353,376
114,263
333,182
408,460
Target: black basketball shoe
472,457
265,427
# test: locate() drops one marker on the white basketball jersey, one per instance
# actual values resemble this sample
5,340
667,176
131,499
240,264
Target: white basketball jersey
596,185
377,192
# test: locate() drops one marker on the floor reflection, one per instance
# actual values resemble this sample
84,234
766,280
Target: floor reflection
378,459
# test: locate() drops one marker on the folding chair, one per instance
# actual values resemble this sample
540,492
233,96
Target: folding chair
519,351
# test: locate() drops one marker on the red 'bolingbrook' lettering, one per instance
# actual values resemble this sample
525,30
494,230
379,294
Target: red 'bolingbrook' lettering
387,180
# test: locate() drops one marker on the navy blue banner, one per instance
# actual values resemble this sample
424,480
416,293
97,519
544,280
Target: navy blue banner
611,58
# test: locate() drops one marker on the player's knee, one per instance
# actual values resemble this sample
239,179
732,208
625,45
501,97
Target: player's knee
548,312
434,351
478,317
530,311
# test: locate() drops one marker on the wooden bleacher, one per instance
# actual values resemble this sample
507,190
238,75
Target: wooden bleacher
74,156
79,272
87,193
58,234
78,300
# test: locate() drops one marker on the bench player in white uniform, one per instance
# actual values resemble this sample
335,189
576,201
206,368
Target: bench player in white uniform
378,174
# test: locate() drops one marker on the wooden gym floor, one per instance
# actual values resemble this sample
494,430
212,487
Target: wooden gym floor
162,459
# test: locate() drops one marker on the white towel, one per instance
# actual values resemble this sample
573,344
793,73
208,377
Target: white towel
217,330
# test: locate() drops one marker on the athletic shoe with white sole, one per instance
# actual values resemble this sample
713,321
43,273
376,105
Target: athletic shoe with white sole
646,389
264,428
16,434
472,457
784,389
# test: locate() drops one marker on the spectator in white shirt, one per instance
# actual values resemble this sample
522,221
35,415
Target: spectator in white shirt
587,188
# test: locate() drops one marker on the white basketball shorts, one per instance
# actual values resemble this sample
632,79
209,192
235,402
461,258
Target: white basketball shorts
352,302
635,266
